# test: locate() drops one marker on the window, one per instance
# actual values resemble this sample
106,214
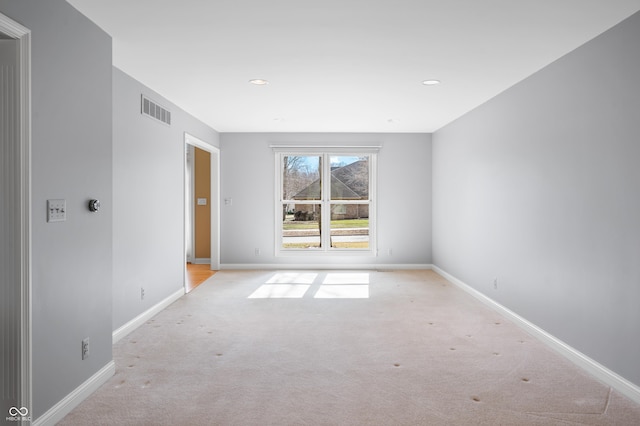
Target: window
325,201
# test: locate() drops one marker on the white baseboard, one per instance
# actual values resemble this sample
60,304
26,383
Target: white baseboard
145,316
202,261
71,401
332,266
592,367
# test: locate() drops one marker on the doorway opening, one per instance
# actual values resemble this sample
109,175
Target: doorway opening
202,211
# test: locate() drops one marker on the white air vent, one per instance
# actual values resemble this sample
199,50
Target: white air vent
155,111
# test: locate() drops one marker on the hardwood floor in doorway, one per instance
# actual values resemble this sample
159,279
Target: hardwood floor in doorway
197,274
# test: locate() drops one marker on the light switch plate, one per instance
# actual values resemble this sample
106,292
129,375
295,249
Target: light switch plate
202,201
56,210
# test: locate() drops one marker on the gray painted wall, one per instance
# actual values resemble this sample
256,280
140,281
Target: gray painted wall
404,197
539,188
148,203
71,159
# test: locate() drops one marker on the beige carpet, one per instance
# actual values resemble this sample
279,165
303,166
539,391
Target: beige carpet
341,348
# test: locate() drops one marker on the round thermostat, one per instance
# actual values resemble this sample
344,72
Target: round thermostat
94,205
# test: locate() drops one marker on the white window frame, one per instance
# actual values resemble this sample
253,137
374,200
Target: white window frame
326,151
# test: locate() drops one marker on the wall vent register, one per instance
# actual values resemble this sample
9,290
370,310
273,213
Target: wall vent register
153,110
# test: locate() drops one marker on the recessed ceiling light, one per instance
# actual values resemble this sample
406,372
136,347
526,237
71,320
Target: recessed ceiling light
258,82
431,82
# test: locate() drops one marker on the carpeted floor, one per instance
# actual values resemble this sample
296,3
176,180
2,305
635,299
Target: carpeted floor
341,348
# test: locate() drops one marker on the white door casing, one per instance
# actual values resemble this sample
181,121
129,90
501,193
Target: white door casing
15,213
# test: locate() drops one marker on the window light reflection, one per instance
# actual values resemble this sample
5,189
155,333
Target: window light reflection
333,285
280,291
342,292
293,278
346,278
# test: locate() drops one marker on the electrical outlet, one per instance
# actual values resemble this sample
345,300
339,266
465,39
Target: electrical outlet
56,210
257,252
85,348
389,252
495,283
141,293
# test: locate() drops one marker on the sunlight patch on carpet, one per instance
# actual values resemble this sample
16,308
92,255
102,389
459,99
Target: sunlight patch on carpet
293,278
332,285
280,291
342,292
346,278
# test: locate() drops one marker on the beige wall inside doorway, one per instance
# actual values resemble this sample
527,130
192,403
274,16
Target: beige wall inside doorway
202,190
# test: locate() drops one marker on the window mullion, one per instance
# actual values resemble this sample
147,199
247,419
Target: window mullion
326,202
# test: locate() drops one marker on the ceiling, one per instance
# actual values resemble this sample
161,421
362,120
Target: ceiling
341,65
